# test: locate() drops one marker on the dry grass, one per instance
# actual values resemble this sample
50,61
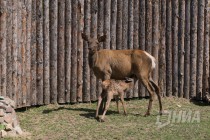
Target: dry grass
77,122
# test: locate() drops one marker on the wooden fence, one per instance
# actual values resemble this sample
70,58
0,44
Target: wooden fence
44,59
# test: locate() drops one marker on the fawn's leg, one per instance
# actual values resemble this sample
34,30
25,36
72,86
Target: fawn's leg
123,102
106,107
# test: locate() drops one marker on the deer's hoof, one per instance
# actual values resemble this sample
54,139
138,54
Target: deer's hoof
146,114
101,120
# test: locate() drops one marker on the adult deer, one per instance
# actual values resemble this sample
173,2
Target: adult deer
118,64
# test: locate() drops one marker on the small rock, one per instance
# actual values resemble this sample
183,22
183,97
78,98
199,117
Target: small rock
1,120
18,130
1,113
11,133
9,109
3,133
12,103
15,123
8,127
8,118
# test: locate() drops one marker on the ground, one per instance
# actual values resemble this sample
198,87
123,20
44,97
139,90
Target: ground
77,121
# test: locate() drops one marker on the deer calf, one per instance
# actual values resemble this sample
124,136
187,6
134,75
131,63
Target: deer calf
114,89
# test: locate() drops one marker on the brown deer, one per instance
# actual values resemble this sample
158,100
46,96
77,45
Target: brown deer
118,64
114,89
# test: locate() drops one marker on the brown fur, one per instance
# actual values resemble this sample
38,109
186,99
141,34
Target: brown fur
118,64
113,89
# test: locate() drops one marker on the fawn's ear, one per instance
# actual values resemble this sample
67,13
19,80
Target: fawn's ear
85,37
102,38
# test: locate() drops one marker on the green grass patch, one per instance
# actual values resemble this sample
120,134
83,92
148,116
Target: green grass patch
77,122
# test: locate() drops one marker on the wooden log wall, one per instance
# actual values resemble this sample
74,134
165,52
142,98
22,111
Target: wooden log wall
44,60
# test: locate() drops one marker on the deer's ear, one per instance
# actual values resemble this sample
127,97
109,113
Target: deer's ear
102,38
85,37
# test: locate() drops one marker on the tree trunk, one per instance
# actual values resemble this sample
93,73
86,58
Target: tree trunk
107,19
14,51
23,53
19,56
175,47
74,53
119,24
80,50
125,24
68,15
130,33
53,50
61,51
136,37
155,37
142,34
168,49
33,54
199,84
93,33
46,44
187,51
162,53
148,34
28,51
113,24
206,52
39,38
193,50
9,49
3,48
86,69
181,47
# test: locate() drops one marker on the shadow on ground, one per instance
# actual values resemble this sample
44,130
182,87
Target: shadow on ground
85,112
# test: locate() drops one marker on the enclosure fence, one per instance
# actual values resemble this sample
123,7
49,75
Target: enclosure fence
44,60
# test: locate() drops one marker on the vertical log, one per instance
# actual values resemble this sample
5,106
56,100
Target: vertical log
28,51
162,53
61,47
93,33
113,24
175,47
125,25
86,69
107,19
53,50
130,33
142,34
19,56
206,51
181,51
9,49
155,37
33,54
3,48
193,49
199,84
148,26
46,45
187,51
14,51
168,49
39,39
68,49
119,24
23,53
74,53
80,50
100,28
136,36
